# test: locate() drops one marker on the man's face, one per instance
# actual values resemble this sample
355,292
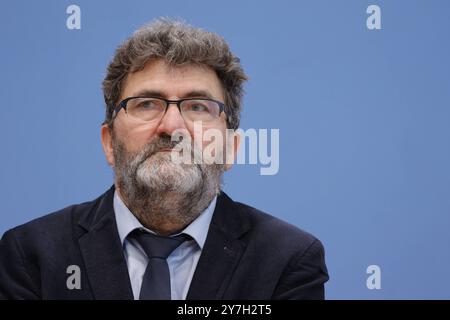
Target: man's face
171,83
138,150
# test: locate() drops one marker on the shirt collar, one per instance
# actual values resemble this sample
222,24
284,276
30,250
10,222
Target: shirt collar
127,222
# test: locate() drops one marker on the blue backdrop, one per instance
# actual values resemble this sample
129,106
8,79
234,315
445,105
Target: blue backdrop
363,118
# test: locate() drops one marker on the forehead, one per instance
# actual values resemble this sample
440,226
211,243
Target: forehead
173,82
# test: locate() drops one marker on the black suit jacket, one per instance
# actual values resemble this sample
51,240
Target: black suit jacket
247,255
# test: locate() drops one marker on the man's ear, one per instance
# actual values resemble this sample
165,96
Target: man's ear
107,144
233,143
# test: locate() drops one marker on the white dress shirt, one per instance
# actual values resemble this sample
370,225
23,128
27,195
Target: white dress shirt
182,261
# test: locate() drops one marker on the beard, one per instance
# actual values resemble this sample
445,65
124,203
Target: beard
163,195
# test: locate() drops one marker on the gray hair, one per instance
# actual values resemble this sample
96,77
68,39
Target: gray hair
177,43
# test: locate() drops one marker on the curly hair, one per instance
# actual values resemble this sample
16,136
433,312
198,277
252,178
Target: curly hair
178,44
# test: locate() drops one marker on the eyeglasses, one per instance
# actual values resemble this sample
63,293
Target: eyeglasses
153,109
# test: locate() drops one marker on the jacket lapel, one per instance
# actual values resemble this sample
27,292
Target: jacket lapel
103,253
221,252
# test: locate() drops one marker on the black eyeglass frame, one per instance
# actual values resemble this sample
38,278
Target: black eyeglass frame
123,104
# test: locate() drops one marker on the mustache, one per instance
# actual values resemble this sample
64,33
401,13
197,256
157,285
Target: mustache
157,144
160,143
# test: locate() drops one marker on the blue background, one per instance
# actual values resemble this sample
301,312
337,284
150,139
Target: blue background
363,118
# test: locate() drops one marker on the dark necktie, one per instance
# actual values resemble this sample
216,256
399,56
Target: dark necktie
156,280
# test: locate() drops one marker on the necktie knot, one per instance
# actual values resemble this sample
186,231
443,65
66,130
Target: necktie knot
156,246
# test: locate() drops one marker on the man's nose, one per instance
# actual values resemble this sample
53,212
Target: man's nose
171,121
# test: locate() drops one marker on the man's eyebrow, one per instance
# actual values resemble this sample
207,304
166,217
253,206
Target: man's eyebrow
198,94
159,94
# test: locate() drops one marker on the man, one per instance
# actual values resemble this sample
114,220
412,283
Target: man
165,230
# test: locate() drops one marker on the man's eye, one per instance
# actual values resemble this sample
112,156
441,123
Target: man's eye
147,105
198,108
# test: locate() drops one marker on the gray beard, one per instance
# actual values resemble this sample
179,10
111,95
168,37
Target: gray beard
164,196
